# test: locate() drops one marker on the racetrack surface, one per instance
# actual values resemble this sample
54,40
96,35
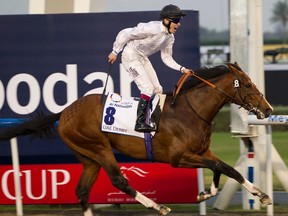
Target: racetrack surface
137,210
137,213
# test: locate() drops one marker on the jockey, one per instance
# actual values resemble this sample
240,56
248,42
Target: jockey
139,43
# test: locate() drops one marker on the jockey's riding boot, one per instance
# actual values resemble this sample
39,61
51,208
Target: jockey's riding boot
141,125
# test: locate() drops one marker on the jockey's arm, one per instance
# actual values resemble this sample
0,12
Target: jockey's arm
166,56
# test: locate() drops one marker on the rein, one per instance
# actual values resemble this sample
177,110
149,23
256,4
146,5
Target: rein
233,98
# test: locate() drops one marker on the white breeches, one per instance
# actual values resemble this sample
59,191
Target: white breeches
142,72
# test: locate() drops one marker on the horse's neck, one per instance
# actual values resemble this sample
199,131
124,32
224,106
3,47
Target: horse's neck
207,101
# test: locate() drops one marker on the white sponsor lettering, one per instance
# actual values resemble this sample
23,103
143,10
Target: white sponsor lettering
58,177
4,185
55,183
70,79
12,96
2,95
90,78
29,183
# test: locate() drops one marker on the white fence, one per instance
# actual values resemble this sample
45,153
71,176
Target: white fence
273,162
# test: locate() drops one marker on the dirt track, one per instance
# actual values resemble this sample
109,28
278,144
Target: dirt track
137,213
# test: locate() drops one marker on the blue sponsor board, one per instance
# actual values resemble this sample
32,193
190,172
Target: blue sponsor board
276,86
281,119
48,61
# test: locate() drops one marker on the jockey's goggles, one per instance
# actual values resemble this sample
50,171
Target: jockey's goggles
175,20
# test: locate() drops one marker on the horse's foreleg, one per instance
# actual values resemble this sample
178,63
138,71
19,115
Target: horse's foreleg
264,198
232,173
217,166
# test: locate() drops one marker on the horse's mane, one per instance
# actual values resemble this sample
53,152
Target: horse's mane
206,73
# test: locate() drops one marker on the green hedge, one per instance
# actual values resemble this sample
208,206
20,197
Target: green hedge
222,120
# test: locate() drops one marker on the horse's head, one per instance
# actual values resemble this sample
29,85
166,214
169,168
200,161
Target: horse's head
247,94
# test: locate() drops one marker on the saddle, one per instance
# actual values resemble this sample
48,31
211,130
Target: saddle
119,114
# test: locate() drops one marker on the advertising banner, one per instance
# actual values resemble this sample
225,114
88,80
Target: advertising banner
56,183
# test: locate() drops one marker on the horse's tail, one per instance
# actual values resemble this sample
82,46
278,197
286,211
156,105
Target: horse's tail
39,125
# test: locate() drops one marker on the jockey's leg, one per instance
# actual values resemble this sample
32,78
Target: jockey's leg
141,74
153,77
141,125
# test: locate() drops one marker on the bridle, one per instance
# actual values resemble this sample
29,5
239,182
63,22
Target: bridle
231,98
246,105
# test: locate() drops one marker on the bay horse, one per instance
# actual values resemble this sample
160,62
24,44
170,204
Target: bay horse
182,139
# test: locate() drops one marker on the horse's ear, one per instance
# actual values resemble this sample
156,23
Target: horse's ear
231,67
234,67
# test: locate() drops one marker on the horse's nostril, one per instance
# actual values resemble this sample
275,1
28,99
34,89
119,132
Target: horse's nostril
268,112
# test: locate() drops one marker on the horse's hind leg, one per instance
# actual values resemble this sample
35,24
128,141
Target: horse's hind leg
89,175
118,180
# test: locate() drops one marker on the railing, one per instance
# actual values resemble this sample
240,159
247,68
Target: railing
277,54
4,122
281,169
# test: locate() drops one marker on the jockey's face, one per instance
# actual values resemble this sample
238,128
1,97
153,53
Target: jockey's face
175,24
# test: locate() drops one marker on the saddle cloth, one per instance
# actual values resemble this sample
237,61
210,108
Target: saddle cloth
120,113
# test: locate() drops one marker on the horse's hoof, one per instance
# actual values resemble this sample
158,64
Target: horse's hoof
200,197
164,210
265,199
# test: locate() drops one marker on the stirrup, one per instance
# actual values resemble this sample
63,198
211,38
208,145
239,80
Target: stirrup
144,128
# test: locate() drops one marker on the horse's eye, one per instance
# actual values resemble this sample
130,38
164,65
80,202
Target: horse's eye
248,85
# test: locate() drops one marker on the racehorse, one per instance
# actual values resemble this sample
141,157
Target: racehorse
182,139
